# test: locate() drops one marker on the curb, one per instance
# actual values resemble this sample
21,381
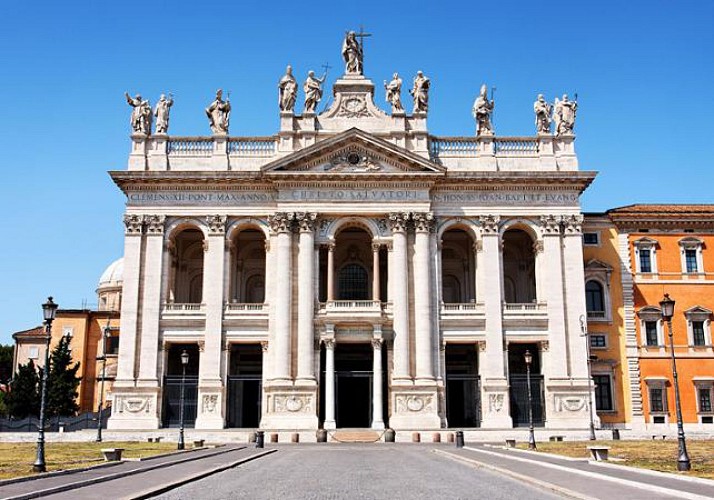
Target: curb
656,473
595,475
526,479
170,486
109,477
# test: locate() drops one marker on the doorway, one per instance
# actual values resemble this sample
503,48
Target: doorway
518,380
245,378
463,391
173,382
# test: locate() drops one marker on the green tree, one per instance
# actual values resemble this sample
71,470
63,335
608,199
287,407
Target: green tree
6,352
63,382
23,400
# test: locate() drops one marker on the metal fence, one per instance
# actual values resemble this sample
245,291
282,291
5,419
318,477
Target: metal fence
519,400
53,424
172,400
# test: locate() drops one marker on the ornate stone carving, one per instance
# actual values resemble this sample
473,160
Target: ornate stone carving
209,403
394,93
353,106
481,345
287,88
571,403
398,221
201,345
140,114
161,112
495,403
420,93
414,403
154,224
550,224
134,224
307,221
544,345
482,109
543,111
264,346
134,404
219,113
353,161
538,246
216,224
564,115
478,245
292,403
377,344
376,247
328,343
489,223
281,222
573,224
424,222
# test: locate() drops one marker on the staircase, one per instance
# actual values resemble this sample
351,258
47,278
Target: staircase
355,436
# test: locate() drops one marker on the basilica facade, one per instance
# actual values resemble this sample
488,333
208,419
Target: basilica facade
352,271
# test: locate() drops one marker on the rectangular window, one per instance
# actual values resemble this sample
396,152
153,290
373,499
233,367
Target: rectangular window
657,400
705,399
645,261
603,393
651,333
591,238
113,344
698,333
690,257
34,353
598,340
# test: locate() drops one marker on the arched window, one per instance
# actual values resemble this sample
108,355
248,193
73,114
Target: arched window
452,290
353,283
519,267
594,298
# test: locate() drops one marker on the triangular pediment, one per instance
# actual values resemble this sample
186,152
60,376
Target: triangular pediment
353,152
595,265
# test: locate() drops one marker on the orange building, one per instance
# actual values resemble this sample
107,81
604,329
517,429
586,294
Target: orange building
605,320
668,249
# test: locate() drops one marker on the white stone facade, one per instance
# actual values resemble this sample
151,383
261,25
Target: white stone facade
380,275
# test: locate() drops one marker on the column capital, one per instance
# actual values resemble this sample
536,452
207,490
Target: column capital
154,224
489,224
134,224
216,224
573,224
424,222
329,343
201,345
550,224
264,346
307,221
398,221
281,222
376,246
377,344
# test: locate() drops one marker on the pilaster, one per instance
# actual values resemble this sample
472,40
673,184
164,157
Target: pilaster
137,157
307,223
281,225
400,298
158,154
423,225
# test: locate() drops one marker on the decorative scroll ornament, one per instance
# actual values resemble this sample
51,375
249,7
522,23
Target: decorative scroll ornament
354,106
154,224
216,224
570,403
281,222
550,224
353,161
135,404
423,222
414,403
307,221
398,221
292,403
133,223
489,223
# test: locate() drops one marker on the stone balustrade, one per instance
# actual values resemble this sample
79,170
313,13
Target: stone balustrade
528,307
462,308
515,146
189,146
252,146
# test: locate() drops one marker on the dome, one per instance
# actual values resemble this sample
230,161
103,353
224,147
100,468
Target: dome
112,275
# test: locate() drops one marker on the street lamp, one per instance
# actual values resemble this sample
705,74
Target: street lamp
103,358
49,310
683,463
586,334
184,362
531,435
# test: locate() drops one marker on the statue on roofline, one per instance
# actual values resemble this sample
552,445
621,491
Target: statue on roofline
482,109
352,54
161,112
564,114
543,111
313,91
219,113
141,114
287,91
420,93
394,93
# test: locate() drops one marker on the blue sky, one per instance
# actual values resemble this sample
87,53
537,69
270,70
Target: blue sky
643,71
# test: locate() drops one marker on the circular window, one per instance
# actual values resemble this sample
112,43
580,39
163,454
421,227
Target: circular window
353,158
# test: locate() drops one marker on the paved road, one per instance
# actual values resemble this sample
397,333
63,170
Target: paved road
356,472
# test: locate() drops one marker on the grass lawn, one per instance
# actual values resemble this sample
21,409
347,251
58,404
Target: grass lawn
654,455
16,459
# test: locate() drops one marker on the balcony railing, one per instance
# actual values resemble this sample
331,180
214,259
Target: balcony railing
246,309
190,146
183,307
352,305
596,314
524,308
468,147
516,146
462,308
252,146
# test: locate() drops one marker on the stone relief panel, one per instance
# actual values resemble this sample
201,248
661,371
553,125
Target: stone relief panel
414,403
495,402
292,403
209,404
572,403
134,405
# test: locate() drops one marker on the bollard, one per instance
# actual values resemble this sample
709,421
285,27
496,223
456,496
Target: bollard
389,436
295,437
459,439
252,437
436,438
259,439
274,437
416,437
321,435
616,434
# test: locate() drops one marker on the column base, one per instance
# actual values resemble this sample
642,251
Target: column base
378,426
330,425
306,382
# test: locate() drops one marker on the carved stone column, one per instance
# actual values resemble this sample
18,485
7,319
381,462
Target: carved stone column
400,297
331,272
210,384
306,299
151,301
423,225
375,271
377,408
281,224
492,368
329,383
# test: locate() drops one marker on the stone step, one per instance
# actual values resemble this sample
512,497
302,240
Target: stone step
355,436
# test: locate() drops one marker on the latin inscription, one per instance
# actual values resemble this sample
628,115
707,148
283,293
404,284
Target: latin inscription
352,195
199,198
505,198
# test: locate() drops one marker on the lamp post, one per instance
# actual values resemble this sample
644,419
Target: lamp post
49,309
103,359
683,463
184,362
585,333
531,435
